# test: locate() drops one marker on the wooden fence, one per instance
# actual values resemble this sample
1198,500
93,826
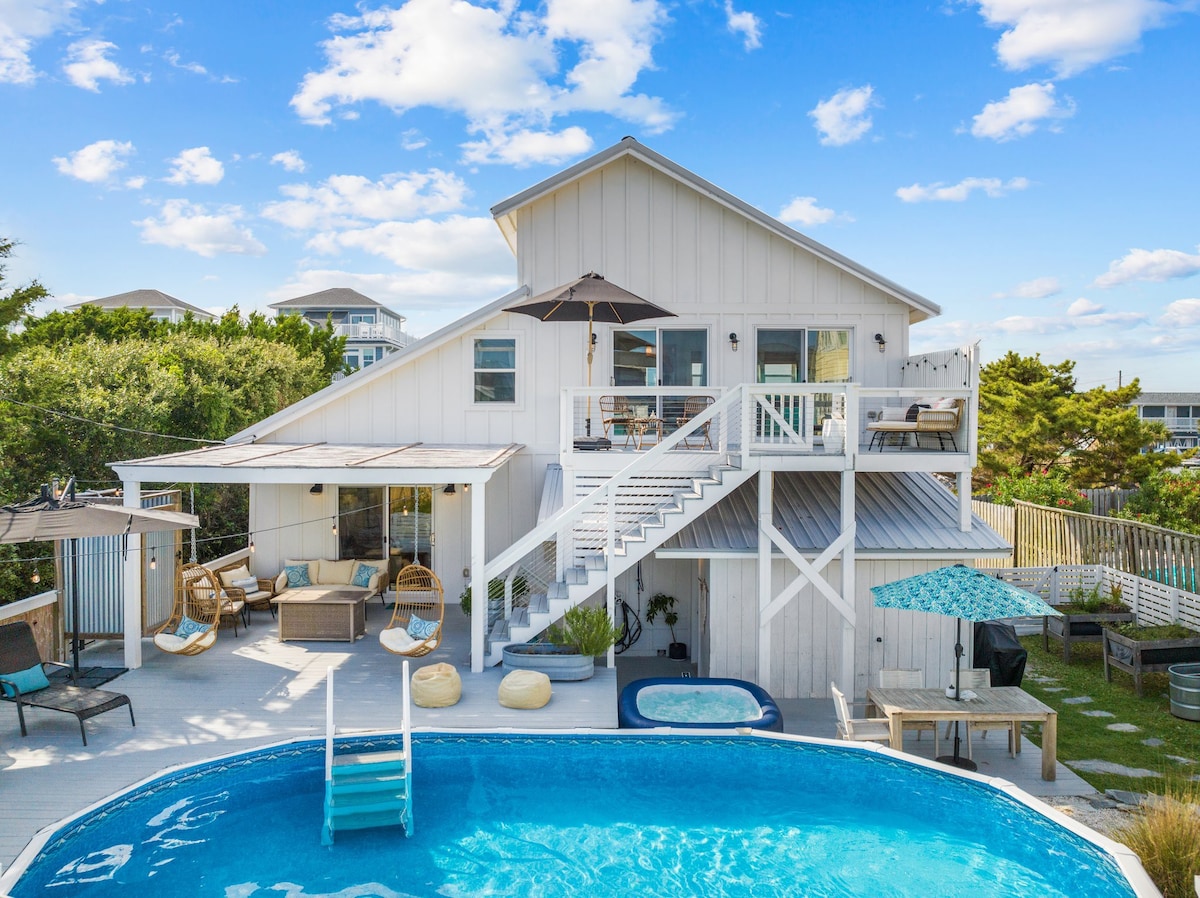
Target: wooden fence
1106,501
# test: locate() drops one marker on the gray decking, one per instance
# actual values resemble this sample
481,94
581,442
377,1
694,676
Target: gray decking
254,690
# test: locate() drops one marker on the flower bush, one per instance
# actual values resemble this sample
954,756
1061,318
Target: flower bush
1167,499
1038,487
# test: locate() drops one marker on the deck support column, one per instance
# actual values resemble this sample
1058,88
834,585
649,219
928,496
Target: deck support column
479,587
964,501
766,481
132,605
848,564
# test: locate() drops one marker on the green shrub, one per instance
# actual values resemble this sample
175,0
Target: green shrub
586,628
495,591
1040,488
1166,499
1165,834
1093,601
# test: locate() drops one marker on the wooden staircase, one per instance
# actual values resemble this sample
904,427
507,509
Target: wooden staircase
367,789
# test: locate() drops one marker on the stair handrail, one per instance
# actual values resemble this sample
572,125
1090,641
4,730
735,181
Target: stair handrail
329,731
406,724
551,526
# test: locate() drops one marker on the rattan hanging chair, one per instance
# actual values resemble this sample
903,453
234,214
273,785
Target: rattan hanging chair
192,626
416,625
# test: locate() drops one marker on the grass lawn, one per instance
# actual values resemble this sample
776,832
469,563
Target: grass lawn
1081,737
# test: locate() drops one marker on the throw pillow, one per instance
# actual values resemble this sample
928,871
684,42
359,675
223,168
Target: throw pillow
249,584
363,574
421,629
297,575
913,411
29,680
231,578
187,627
281,582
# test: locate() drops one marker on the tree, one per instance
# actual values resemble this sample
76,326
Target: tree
15,304
1033,419
1168,499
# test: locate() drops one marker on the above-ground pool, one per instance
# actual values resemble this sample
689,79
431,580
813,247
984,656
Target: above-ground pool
697,703
594,814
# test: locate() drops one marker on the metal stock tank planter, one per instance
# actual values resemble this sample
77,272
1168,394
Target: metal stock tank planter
1184,682
558,662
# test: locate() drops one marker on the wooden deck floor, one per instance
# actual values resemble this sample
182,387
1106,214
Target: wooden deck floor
254,690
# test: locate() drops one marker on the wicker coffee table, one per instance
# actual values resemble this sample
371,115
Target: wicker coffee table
329,614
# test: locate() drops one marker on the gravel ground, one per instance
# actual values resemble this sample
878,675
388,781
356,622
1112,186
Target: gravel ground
1106,818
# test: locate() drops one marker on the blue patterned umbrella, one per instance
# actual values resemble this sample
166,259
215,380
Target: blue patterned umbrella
966,594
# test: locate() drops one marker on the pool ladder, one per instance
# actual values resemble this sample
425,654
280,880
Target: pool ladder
371,788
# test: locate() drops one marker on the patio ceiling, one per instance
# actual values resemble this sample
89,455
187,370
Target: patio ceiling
369,463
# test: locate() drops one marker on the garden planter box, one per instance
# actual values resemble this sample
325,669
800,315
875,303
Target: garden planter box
1076,627
558,662
1139,656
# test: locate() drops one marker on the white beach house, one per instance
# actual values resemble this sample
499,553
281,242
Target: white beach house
768,509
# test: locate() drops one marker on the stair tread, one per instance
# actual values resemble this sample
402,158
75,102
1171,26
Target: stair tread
390,817
364,780
341,805
369,758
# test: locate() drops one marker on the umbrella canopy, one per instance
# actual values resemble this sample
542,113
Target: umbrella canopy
590,298
963,592
46,519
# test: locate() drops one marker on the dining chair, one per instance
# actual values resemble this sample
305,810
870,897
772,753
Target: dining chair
975,678
909,678
858,729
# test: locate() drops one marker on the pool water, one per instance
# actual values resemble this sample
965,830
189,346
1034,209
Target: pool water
579,815
697,704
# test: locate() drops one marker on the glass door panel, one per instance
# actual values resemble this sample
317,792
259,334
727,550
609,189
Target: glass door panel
828,363
360,522
684,364
410,527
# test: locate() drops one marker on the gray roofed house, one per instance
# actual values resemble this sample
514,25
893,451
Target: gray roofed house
162,306
1178,411
372,330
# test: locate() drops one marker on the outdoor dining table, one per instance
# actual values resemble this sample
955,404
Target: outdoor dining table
995,703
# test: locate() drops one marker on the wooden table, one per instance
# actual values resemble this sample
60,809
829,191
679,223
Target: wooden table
324,614
639,427
998,703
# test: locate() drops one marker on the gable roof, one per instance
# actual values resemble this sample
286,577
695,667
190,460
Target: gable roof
142,299
334,297
505,214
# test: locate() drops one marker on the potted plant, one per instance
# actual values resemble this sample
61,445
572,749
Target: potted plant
495,597
1084,616
584,633
661,603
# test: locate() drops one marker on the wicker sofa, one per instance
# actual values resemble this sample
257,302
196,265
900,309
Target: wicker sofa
935,417
323,575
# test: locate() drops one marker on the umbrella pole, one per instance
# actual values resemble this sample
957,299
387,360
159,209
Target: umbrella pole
588,419
956,760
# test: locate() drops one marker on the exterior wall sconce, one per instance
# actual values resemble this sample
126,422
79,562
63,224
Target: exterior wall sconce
317,488
882,343
449,490
733,341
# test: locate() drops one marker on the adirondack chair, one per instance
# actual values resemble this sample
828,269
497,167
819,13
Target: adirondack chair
23,681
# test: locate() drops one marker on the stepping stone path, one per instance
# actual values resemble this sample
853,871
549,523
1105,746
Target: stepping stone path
1098,714
1179,760
1041,679
1153,743
1123,728
1055,689
1110,767
1078,700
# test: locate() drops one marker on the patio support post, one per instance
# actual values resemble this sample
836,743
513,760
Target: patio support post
765,485
132,491
479,587
848,563
964,501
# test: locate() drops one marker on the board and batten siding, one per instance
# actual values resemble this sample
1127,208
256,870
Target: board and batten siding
806,635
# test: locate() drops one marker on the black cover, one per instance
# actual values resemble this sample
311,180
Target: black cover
998,649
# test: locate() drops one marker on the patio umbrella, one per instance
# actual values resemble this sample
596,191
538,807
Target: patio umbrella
590,298
48,518
965,594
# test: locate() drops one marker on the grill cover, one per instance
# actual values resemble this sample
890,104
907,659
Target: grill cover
998,649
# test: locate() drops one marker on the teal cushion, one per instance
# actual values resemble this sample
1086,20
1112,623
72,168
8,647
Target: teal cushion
187,627
29,680
363,574
421,629
297,575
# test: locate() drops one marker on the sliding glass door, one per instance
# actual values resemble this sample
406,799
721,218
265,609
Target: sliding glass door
403,525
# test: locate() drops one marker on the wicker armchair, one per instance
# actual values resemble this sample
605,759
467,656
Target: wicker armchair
693,406
416,625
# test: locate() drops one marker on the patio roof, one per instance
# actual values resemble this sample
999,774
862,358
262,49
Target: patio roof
346,463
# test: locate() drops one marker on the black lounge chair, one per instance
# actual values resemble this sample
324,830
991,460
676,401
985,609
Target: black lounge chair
19,654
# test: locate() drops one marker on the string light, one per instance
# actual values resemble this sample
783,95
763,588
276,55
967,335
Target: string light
334,527
153,561
37,577
251,544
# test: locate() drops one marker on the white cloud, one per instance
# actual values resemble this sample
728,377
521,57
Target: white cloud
746,24
803,210
97,162
174,59
22,24
1149,265
136,183
1038,288
1071,35
424,298
497,65
196,166
1084,306
353,200
88,64
524,147
412,139
290,160
457,244
844,118
1019,114
183,225
1181,313
957,193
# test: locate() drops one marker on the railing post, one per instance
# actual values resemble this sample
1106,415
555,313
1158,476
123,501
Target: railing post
850,415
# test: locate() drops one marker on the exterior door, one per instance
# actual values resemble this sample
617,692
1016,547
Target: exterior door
410,527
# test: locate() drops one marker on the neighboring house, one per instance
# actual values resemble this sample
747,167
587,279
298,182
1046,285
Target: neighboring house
372,331
766,515
162,307
1179,412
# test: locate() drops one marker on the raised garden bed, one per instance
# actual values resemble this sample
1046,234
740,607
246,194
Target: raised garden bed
1075,626
1137,655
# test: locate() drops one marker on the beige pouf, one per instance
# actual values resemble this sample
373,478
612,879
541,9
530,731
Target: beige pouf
525,689
436,686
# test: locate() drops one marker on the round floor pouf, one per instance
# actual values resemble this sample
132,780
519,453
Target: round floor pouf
525,689
436,686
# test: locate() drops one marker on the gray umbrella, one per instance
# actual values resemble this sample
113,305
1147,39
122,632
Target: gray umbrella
590,298
49,517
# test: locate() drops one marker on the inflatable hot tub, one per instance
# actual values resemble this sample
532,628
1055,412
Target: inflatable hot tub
697,703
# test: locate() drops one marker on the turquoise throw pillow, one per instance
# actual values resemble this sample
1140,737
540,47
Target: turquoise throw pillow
297,575
29,680
421,629
363,574
187,627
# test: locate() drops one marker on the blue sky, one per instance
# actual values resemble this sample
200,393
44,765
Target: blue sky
1029,165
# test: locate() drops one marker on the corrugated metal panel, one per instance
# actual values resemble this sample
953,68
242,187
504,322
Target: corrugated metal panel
895,513
552,493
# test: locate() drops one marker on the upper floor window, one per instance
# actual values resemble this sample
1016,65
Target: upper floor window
495,369
362,317
802,356
1154,411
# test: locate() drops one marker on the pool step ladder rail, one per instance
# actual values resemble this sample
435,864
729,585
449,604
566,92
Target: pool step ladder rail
367,789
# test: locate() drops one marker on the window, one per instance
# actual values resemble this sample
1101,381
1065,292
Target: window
803,356
351,359
496,370
362,317
668,357
1154,411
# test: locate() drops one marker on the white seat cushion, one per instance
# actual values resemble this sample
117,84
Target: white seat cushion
229,578
169,642
335,572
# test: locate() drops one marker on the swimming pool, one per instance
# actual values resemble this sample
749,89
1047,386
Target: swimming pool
587,814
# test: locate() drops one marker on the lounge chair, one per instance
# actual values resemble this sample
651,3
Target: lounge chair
693,406
858,729
23,681
938,417
240,585
416,625
909,678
